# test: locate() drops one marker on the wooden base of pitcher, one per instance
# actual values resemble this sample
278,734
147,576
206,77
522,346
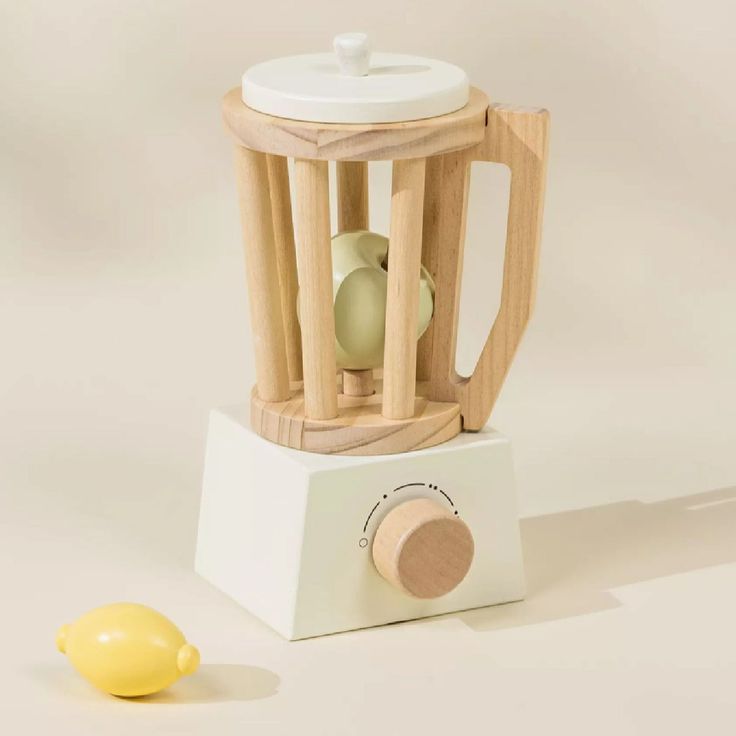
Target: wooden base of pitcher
359,428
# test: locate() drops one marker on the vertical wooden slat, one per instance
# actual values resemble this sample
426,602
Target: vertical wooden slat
448,241
430,254
315,282
352,195
267,326
402,302
283,228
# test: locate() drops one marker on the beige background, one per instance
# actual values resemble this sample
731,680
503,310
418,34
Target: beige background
123,318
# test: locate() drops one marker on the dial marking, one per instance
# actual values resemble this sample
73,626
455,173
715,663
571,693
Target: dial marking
369,517
445,495
407,485
432,486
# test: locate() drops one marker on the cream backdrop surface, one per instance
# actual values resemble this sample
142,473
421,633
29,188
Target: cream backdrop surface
123,311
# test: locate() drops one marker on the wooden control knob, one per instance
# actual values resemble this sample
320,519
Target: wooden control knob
422,549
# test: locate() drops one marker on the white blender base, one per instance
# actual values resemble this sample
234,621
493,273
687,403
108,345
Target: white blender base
288,534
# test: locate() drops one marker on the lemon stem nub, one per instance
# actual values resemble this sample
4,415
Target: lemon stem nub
187,659
61,635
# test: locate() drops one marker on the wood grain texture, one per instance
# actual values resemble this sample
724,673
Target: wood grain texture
357,382
352,195
267,326
315,279
355,141
445,207
430,253
402,298
359,428
518,138
422,549
283,228
429,202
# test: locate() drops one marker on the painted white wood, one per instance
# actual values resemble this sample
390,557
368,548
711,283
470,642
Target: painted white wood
250,531
353,86
353,53
288,534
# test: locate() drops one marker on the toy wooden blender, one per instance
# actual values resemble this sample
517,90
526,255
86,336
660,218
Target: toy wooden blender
360,486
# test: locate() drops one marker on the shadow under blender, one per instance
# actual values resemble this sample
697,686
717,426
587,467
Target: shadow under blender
574,559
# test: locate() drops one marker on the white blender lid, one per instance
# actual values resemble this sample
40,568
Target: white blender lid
354,86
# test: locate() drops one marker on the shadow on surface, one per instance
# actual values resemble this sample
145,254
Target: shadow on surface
218,683
574,558
211,683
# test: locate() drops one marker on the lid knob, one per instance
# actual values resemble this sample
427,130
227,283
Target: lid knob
353,54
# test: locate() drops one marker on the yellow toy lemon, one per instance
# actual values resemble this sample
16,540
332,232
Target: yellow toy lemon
127,649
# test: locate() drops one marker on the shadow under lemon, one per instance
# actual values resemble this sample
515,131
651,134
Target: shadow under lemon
211,683
218,683
575,558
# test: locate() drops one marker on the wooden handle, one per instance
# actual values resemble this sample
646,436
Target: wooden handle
519,139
